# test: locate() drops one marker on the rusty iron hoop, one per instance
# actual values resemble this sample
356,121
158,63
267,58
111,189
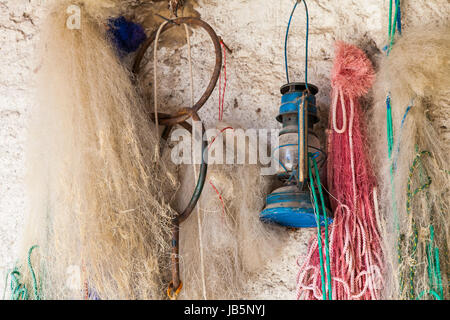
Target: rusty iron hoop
186,113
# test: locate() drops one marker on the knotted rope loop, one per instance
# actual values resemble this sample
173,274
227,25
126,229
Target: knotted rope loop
336,95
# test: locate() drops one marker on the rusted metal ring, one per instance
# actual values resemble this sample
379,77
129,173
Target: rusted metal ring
203,166
179,117
201,178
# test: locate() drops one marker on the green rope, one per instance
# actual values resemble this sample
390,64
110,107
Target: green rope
324,213
390,127
319,233
434,273
438,272
19,290
393,20
410,195
428,292
434,270
390,19
33,275
430,267
390,142
433,265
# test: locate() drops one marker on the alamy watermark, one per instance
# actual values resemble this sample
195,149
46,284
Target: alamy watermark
73,22
227,146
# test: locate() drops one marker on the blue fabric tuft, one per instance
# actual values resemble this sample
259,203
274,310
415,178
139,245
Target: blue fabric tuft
127,36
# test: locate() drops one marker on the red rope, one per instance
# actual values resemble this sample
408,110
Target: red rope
220,198
210,182
221,131
355,243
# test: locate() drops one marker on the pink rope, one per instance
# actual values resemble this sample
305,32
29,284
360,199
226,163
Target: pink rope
355,247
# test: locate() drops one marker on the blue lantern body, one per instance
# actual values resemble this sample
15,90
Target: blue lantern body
291,205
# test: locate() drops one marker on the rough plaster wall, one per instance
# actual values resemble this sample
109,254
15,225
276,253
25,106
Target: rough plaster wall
18,30
254,30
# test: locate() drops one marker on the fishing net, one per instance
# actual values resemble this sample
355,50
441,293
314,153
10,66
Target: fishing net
224,243
99,194
409,125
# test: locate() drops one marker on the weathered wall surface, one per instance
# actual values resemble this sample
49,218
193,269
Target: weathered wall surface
254,30
18,31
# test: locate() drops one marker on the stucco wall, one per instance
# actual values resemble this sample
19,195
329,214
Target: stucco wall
254,30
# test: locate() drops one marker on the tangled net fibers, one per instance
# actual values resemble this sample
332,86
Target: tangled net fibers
98,205
232,244
355,248
415,82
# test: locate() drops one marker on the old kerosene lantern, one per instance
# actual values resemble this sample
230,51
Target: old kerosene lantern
292,204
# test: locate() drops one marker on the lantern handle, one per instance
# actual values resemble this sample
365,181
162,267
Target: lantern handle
306,42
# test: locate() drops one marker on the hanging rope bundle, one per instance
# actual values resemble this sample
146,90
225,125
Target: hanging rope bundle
355,249
99,197
416,180
395,23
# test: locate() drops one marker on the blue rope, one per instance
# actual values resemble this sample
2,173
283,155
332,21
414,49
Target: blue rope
306,43
126,35
399,18
390,128
400,137
404,115
286,42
